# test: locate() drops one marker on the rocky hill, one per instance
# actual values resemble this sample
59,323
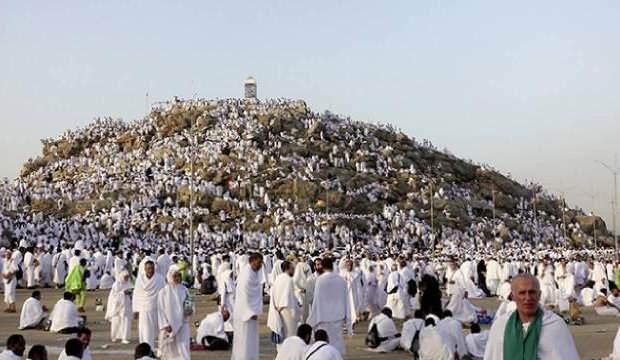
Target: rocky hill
275,167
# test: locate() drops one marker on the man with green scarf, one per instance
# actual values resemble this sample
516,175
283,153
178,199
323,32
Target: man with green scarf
75,283
529,333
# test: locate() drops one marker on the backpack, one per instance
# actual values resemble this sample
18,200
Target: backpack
372,339
412,288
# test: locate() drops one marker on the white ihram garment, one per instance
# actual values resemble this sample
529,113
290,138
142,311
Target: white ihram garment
119,312
248,303
145,304
330,309
170,309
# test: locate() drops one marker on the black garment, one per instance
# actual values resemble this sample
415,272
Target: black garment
430,299
70,330
482,277
215,344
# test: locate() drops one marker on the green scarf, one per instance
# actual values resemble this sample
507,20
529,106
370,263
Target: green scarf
517,346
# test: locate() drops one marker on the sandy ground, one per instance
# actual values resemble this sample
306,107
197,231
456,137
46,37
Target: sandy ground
594,339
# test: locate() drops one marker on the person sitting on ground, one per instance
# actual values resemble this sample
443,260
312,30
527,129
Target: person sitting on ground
603,307
432,345
83,335
476,342
452,332
73,350
34,315
460,306
587,294
410,339
529,332
614,297
15,348
37,352
321,349
64,317
211,332
106,281
144,352
294,347
388,337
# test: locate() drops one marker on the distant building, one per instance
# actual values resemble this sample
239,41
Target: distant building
250,88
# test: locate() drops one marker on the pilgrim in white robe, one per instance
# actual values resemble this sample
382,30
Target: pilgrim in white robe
433,346
452,332
10,285
29,265
64,315
293,348
566,291
171,310
248,306
492,276
213,326
301,278
477,343
9,355
410,328
85,356
107,281
386,329
145,304
372,297
462,309
119,311
59,264
283,314
330,309
397,299
321,350
587,296
32,314
555,343
353,291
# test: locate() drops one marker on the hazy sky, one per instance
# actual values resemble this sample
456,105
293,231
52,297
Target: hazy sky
530,87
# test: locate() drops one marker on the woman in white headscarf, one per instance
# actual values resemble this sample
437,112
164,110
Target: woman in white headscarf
174,309
118,311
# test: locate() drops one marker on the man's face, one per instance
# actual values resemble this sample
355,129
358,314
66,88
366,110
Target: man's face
177,278
318,265
85,339
256,264
349,265
149,269
290,270
526,293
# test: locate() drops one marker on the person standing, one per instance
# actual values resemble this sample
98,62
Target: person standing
9,278
118,311
75,283
144,304
174,307
283,314
529,332
248,307
330,306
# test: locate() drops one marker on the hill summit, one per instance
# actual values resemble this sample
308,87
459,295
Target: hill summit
275,172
